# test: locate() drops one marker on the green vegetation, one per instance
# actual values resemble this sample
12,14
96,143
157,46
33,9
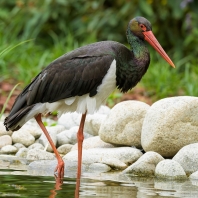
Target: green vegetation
54,27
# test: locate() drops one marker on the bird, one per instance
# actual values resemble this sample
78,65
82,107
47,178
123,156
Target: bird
81,81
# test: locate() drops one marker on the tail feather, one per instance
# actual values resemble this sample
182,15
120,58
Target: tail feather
15,121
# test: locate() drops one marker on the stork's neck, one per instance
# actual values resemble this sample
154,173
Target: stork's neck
138,46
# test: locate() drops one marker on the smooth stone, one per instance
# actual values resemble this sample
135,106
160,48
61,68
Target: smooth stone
170,169
170,124
93,123
8,149
123,124
145,165
33,130
194,175
3,130
38,154
187,157
5,140
44,141
65,148
18,146
55,129
93,142
118,158
47,167
69,120
99,167
36,146
23,136
22,152
70,136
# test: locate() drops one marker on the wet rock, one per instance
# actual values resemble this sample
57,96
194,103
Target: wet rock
22,152
5,140
8,149
167,124
47,167
123,124
65,148
145,165
93,142
23,136
170,169
187,157
118,158
38,154
98,167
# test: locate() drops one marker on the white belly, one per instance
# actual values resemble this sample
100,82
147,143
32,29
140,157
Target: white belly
80,104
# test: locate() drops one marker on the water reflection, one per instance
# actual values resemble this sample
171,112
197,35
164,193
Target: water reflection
14,184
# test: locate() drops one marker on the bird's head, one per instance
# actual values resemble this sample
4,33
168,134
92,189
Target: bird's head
142,28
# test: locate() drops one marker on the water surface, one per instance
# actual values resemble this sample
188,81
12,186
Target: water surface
18,184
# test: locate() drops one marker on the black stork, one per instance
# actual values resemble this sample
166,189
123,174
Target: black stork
82,79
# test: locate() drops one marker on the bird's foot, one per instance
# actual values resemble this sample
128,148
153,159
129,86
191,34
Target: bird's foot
59,170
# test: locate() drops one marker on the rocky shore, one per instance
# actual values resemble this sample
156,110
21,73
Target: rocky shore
133,138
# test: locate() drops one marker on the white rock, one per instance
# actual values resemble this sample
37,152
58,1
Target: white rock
145,165
188,158
169,169
3,130
69,120
170,124
98,167
43,140
8,149
123,124
18,146
93,142
55,129
22,152
70,136
194,176
36,146
93,123
5,140
32,129
65,148
23,136
118,158
38,154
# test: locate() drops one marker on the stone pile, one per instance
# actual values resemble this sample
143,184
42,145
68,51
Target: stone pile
133,137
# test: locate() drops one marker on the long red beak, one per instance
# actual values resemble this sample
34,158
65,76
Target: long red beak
150,38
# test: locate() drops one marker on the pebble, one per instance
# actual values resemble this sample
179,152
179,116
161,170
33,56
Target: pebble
5,140
170,169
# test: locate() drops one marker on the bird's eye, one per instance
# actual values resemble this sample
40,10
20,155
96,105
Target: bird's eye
143,27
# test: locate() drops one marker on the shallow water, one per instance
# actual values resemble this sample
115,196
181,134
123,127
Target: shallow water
15,183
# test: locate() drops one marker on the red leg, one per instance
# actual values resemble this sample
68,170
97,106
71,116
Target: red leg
60,167
80,138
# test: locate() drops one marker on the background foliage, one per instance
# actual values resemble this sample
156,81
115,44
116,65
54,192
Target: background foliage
58,26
